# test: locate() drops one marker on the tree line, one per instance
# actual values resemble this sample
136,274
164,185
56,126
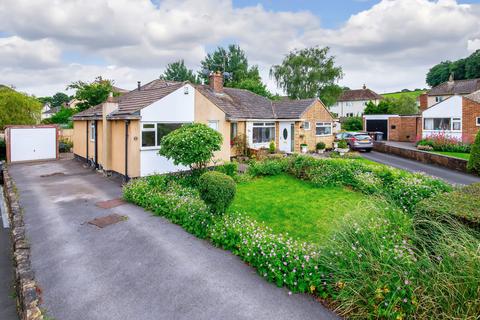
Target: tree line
467,68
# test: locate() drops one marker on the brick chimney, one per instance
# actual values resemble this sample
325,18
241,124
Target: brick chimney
216,82
423,102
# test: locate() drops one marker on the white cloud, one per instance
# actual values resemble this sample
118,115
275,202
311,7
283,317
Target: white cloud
388,47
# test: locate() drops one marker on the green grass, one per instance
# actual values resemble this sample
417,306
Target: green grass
460,155
413,94
306,212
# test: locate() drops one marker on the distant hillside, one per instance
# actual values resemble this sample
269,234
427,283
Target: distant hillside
413,94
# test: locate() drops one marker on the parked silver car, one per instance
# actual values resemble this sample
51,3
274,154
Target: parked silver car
356,140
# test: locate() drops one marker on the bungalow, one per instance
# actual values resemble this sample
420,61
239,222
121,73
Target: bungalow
353,102
123,134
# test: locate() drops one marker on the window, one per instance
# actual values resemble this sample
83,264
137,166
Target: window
152,133
306,125
233,130
92,130
349,114
323,128
213,124
263,132
457,124
478,122
436,124
438,99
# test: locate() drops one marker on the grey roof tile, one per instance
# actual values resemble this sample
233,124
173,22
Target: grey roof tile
359,94
455,87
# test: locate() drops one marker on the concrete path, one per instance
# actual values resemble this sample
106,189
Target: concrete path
448,175
7,301
141,268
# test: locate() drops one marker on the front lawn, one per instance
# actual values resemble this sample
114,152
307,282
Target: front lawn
289,205
460,155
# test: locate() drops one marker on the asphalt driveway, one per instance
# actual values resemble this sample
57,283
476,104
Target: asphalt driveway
452,176
141,268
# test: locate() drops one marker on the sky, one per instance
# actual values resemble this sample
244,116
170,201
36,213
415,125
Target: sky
387,45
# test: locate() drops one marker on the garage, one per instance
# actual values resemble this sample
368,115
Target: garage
377,123
31,143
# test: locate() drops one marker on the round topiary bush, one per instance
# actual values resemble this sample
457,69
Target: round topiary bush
217,190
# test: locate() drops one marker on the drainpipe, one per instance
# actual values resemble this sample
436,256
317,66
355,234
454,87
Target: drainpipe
86,156
127,122
96,145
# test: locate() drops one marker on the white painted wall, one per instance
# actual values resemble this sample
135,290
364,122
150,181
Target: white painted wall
342,108
177,107
29,144
448,108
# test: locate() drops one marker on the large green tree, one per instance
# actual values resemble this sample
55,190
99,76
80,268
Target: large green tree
178,71
466,68
309,73
402,105
58,100
91,93
18,108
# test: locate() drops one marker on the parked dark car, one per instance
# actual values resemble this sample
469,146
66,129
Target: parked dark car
356,140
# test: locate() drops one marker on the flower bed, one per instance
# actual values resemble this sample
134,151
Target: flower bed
443,142
371,268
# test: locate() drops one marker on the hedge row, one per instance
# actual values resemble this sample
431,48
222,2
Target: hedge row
403,188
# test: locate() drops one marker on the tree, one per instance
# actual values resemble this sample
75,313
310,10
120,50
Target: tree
61,117
306,73
59,99
353,124
402,105
91,94
467,68
330,94
381,108
191,145
472,66
178,71
438,73
255,86
232,60
18,108
474,160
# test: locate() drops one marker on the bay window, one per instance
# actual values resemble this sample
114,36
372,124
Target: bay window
152,133
323,128
263,132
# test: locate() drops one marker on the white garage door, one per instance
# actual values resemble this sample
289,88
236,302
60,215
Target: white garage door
30,144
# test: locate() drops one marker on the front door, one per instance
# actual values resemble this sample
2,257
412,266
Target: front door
286,136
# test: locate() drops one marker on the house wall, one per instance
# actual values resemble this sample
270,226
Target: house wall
315,113
206,111
431,100
79,138
449,108
118,147
403,129
470,112
342,108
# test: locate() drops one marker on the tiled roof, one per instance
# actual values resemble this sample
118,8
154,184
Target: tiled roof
455,87
475,96
91,113
291,109
359,94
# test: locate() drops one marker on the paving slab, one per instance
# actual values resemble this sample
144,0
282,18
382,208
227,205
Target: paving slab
142,268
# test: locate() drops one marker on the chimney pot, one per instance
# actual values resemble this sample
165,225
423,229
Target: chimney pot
216,82
364,86
139,85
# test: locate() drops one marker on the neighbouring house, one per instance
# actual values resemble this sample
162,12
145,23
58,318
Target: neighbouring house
448,89
48,111
353,102
123,134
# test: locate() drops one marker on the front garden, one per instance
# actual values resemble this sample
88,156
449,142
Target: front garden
370,241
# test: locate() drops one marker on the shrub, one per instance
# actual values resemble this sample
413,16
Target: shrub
267,167
65,145
443,142
191,145
320,145
342,144
353,124
474,161
228,168
217,190
271,147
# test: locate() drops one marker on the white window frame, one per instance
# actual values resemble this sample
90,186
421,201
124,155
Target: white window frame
323,124
270,124
459,120
154,129
306,125
477,122
452,120
92,130
214,123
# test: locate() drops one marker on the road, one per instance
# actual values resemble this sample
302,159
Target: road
448,175
142,268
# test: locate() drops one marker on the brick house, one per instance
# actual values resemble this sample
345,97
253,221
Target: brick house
123,135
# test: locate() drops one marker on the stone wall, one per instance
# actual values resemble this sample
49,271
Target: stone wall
423,156
27,290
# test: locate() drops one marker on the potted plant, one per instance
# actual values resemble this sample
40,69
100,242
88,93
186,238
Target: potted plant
304,148
271,147
342,147
320,147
